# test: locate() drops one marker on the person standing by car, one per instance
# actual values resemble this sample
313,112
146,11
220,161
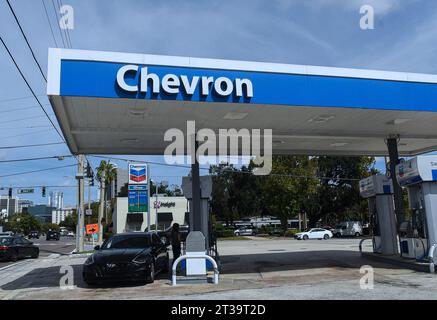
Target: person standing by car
176,241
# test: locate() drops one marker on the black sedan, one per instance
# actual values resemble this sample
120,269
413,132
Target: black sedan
53,235
130,256
17,247
34,235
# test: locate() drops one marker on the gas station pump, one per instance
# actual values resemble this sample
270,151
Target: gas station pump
378,189
419,234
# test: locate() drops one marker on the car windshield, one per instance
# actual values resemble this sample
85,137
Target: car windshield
5,241
127,242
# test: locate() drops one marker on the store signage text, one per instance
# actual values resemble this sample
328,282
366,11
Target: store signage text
173,84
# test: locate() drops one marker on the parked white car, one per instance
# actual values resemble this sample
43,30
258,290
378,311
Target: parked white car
316,233
245,232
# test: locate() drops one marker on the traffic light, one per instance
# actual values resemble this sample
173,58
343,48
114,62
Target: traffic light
44,192
10,193
89,171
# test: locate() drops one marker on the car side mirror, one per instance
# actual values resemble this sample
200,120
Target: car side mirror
97,248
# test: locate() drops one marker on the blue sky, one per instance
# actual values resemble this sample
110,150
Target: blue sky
316,32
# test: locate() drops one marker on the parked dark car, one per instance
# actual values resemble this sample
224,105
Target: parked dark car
34,235
53,235
165,235
276,232
127,257
17,247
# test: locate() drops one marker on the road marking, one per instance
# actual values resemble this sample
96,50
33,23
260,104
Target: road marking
14,265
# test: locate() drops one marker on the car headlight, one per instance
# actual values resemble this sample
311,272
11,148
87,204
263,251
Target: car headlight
89,261
140,259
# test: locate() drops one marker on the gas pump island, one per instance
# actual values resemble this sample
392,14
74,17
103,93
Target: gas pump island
378,190
418,236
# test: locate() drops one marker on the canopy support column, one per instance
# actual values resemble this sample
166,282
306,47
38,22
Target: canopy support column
196,192
392,144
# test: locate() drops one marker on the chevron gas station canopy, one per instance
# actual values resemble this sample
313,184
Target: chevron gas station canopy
117,103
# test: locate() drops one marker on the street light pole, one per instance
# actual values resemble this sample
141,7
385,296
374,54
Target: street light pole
101,206
89,199
80,211
156,207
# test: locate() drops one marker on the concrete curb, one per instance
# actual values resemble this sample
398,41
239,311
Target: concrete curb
79,255
396,261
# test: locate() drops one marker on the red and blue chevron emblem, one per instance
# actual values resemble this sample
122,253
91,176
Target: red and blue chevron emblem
138,174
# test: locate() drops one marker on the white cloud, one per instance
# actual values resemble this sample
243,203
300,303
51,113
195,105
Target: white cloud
381,7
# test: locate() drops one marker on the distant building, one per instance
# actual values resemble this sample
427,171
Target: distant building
23,205
42,212
56,199
59,215
9,205
119,182
170,210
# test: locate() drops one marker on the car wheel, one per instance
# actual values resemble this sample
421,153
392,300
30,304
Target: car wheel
326,237
253,234
237,234
306,237
357,235
90,283
150,278
35,255
14,257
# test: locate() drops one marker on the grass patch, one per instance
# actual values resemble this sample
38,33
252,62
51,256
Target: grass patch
85,252
234,238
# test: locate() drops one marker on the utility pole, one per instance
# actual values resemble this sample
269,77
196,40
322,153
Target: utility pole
80,211
89,199
156,207
101,206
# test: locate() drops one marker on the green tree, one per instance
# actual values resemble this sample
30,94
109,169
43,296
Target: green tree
233,193
23,223
109,171
337,195
284,191
50,226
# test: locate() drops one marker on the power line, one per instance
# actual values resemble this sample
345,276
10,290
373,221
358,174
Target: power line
36,187
30,88
35,159
24,134
36,171
27,127
21,119
25,38
50,23
56,16
149,162
32,145
19,109
240,172
67,33
20,98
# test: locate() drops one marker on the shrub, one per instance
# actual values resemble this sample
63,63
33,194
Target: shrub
222,232
291,233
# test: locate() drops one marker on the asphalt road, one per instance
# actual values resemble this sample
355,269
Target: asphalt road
47,248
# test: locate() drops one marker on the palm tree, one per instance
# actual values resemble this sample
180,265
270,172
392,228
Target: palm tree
109,171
